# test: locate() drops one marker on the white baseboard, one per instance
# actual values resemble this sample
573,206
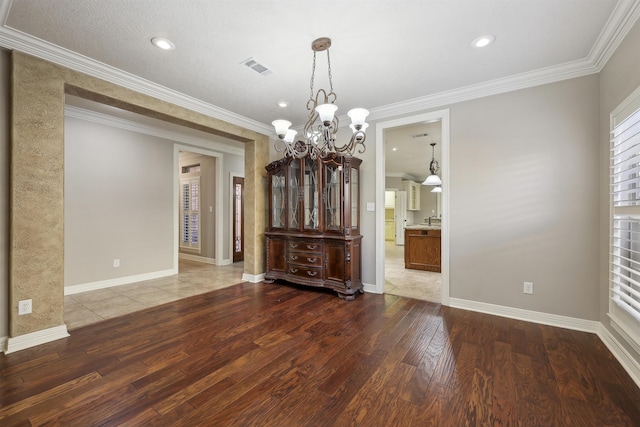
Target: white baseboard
36,338
76,289
252,278
370,288
528,315
206,260
620,353
197,258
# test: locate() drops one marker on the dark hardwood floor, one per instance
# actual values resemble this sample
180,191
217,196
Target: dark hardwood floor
275,355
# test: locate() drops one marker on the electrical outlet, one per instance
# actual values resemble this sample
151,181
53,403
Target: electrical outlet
116,263
25,306
528,288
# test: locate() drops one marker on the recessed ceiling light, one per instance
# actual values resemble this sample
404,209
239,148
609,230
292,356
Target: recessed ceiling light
483,41
163,43
283,104
394,149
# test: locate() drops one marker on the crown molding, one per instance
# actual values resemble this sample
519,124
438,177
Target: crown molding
107,120
624,16
402,175
622,19
16,40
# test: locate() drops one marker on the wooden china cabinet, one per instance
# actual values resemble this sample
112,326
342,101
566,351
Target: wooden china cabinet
313,235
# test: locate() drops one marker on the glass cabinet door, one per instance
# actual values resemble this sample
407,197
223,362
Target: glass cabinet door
333,179
278,199
310,198
355,198
294,191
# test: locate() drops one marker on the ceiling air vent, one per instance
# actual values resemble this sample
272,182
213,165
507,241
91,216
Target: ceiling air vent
256,66
419,135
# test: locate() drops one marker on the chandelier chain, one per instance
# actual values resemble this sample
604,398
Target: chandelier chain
330,76
313,73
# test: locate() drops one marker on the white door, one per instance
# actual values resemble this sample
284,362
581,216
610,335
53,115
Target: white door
401,216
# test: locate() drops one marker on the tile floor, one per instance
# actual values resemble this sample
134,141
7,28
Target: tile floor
194,278
417,284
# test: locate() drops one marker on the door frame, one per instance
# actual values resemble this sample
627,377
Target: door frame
401,200
231,199
443,117
177,148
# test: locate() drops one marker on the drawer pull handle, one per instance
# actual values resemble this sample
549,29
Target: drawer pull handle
294,245
311,259
294,270
312,273
312,247
294,257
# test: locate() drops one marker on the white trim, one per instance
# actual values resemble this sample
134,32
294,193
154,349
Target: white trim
401,175
620,353
370,288
527,315
118,281
219,200
627,333
148,129
444,117
253,278
620,22
36,338
16,40
197,258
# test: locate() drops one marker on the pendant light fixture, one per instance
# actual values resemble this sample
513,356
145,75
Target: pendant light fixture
434,167
322,124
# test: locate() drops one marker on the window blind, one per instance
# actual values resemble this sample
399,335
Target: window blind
624,307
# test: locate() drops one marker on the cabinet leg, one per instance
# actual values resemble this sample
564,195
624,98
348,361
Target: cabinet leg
269,281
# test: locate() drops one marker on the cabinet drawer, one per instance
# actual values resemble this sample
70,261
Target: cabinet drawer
305,246
305,272
305,258
430,233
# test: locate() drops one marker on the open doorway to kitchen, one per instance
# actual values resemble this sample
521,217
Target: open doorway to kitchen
413,226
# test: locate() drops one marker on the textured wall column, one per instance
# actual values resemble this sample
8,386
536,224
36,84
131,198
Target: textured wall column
37,189
37,195
256,157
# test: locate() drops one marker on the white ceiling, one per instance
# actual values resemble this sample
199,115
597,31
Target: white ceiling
391,57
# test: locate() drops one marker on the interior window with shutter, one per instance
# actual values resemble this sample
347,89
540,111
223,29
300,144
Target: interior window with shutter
190,213
624,295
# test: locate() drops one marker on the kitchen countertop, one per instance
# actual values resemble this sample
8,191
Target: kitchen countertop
424,227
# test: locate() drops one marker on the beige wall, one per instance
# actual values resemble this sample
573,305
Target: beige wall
118,203
618,79
523,199
5,61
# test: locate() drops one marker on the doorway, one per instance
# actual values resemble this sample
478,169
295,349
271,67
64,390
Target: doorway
441,116
238,219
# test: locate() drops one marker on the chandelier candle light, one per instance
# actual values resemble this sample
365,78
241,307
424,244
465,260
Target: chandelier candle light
322,124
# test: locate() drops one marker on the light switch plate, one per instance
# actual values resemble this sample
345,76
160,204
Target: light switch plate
371,207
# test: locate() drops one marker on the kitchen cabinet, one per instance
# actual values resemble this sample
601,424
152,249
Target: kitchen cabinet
413,195
313,235
422,249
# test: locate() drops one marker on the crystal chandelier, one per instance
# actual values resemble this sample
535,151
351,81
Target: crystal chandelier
434,167
320,130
